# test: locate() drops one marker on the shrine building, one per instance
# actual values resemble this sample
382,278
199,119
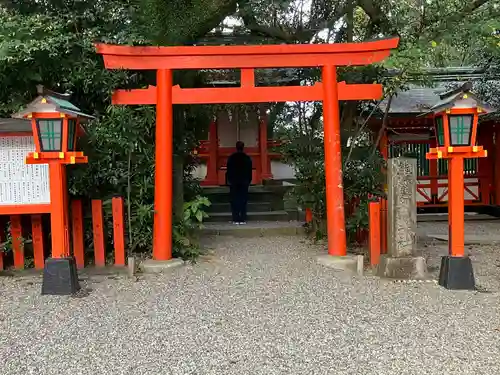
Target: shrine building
407,133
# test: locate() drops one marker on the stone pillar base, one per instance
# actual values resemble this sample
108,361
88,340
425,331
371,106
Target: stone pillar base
351,263
456,273
160,266
404,268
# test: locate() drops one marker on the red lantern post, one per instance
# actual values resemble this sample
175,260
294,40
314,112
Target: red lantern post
456,122
56,123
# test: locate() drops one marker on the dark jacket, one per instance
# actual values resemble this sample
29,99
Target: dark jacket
239,169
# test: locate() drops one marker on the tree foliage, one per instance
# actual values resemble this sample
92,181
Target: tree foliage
52,43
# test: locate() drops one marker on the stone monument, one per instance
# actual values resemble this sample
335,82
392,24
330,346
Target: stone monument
400,262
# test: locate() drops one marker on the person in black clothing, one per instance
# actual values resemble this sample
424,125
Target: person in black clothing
239,177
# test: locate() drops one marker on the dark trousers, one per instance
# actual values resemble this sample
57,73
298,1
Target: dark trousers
239,199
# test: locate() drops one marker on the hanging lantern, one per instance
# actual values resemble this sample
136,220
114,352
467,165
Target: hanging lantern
49,133
72,134
438,121
55,121
456,129
456,118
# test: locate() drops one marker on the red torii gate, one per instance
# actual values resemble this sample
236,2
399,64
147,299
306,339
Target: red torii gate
165,59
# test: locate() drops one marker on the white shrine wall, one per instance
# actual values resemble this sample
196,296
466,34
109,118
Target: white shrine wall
237,127
282,171
199,172
20,183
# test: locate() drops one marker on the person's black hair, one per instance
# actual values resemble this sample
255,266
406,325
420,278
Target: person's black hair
240,146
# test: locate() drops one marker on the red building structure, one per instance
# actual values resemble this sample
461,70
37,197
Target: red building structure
406,133
410,132
223,133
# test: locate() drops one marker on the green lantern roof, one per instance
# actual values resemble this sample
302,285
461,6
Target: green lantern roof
463,93
50,101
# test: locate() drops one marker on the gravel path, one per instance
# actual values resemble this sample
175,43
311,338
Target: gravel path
256,306
485,258
471,227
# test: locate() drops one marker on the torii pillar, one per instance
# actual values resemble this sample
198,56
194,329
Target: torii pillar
166,59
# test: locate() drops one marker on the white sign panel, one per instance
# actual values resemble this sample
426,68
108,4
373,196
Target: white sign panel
21,183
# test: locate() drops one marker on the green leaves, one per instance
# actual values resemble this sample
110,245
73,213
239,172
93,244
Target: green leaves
194,210
362,176
179,22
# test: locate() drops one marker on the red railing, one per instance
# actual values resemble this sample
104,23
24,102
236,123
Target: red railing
439,190
18,232
377,230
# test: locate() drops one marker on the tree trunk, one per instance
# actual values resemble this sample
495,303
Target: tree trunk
383,127
178,163
350,21
348,118
178,188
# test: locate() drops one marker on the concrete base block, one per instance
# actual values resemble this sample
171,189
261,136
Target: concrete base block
403,268
131,267
60,277
456,273
352,263
159,266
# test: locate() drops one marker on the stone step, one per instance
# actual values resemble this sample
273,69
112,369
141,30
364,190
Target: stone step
468,216
255,194
225,217
220,207
209,190
255,229
252,197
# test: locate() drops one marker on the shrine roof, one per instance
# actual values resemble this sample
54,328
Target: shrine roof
11,125
418,99
415,100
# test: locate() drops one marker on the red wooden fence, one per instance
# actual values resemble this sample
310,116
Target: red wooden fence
17,243
98,229
77,231
377,230
118,231
37,236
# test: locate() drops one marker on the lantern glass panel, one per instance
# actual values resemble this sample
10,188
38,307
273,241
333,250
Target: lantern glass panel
50,134
440,131
460,129
71,134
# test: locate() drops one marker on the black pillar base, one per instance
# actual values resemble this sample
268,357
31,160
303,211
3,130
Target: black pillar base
60,277
456,273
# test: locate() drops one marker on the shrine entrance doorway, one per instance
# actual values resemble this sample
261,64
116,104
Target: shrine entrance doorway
247,58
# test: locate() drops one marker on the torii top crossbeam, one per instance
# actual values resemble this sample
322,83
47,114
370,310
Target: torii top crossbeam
227,57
